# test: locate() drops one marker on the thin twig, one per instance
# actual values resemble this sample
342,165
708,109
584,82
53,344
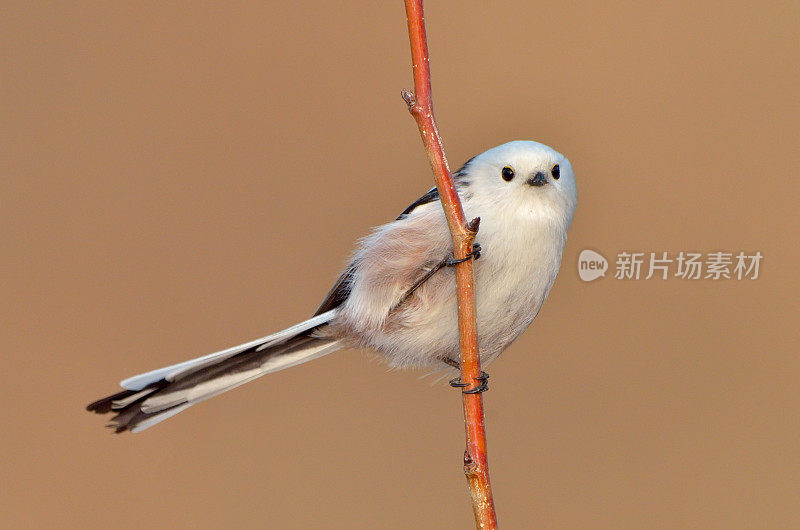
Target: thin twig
420,104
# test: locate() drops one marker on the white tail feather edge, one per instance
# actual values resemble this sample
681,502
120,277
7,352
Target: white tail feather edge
215,387
218,385
158,418
138,382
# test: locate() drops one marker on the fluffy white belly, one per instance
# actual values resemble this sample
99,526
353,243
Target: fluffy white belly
510,289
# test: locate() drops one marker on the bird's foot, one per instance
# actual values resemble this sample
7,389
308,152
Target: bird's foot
482,386
476,253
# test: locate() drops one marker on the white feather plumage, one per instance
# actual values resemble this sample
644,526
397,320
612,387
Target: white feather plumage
523,229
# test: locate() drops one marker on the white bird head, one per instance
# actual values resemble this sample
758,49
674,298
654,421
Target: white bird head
524,176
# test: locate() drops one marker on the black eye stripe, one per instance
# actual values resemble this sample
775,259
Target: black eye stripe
556,172
507,173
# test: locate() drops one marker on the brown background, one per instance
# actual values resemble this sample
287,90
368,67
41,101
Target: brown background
178,179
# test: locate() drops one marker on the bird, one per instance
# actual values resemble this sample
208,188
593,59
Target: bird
397,296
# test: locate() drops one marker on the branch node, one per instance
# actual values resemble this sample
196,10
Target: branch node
409,98
473,226
470,465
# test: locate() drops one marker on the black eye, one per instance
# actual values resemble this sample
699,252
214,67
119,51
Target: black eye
507,173
556,172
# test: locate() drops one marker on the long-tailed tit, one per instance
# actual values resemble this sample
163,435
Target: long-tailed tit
398,295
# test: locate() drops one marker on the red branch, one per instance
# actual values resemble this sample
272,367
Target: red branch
476,466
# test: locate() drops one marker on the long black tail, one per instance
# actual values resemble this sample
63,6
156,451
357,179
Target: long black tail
155,396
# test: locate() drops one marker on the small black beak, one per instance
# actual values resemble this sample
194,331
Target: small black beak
538,179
